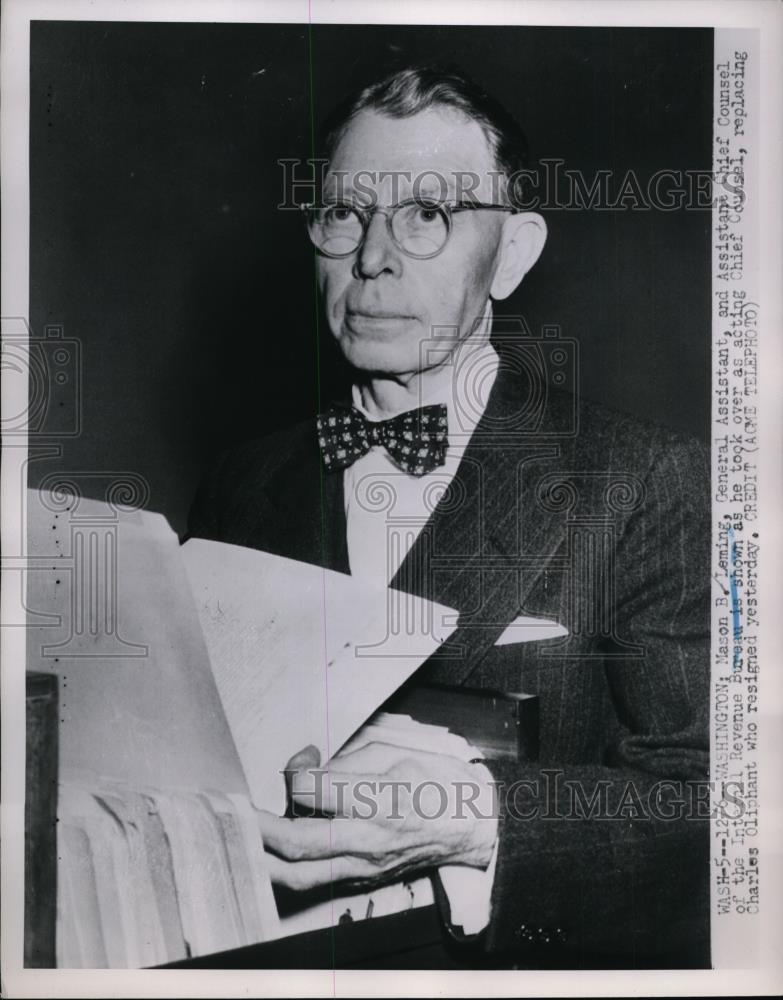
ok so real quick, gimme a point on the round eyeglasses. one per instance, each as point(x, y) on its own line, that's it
point(420, 228)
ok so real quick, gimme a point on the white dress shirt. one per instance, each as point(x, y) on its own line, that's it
point(385, 511)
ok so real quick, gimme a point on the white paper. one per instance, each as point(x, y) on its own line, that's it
point(527, 629)
point(111, 614)
point(301, 655)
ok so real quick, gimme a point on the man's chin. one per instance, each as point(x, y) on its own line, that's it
point(379, 357)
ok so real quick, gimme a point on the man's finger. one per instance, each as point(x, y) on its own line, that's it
point(308, 757)
point(300, 875)
point(374, 758)
point(313, 839)
point(296, 839)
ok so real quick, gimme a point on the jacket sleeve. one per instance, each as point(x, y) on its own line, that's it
point(612, 860)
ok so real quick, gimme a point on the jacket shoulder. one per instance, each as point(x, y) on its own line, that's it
point(263, 456)
point(601, 435)
point(242, 472)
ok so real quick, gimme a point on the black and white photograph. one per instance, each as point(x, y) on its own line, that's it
point(391, 425)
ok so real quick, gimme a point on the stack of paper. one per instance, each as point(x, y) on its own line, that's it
point(149, 877)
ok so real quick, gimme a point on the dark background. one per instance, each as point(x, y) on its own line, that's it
point(157, 244)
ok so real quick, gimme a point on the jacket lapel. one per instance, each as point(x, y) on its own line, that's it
point(489, 539)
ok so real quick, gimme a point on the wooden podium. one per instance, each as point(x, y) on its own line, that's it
point(40, 818)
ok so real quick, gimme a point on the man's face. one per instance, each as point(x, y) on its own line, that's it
point(381, 304)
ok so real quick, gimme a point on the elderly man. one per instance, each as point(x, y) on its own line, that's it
point(514, 498)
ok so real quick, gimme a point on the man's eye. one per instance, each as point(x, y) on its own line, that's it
point(339, 213)
point(427, 214)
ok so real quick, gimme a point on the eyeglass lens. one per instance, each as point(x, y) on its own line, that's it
point(420, 230)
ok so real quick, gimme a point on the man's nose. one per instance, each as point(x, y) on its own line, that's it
point(378, 252)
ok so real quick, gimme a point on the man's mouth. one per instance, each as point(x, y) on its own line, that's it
point(375, 321)
point(378, 314)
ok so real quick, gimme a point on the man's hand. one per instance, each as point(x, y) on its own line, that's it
point(395, 811)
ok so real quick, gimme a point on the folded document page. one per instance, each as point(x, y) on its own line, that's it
point(300, 655)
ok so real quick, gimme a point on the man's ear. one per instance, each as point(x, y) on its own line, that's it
point(521, 243)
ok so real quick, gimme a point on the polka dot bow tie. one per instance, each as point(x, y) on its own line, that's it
point(416, 441)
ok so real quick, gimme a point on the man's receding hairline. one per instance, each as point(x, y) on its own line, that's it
point(413, 90)
point(439, 107)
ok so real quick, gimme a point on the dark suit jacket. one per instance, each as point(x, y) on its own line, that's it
point(601, 521)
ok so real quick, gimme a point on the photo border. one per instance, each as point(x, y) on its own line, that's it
point(762, 15)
